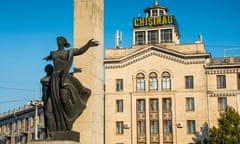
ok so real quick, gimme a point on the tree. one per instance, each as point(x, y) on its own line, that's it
point(228, 131)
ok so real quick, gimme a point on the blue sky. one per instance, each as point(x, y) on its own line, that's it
point(28, 31)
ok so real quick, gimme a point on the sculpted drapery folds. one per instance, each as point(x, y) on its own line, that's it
point(64, 96)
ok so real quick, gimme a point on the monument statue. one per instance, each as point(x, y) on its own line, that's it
point(63, 95)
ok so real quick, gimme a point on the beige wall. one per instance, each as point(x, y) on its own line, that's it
point(178, 94)
point(88, 24)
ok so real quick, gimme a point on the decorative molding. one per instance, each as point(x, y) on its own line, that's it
point(223, 71)
point(125, 61)
point(223, 93)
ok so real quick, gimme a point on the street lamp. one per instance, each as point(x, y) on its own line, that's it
point(35, 104)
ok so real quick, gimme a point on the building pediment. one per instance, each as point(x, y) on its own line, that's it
point(143, 53)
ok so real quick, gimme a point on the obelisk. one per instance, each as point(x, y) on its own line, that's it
point(88, 24)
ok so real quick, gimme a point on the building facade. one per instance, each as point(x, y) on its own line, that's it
point(18, 126)
point(162, 92)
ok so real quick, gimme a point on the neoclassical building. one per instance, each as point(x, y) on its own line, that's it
point(162, 92)
point(19, 126)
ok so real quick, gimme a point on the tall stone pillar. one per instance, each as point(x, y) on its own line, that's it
point(88, 24)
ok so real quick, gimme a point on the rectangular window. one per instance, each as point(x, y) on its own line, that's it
point(188, 82)
point(167, 126)
point(154, 12)
point(167, 105)
point(238, 80)
point(153, 84)
point(26, 124)
point(190, 104)
point(140, 84)
point(166, 35)
point(140, 105)
point(119, 127)
point(119, 84)
point(154, 127)
point(166, 84)
point(221, 81)
point(153, 105)
point(119, 105)
point(141, 127)
point(191, 126)
point(222, 103)
point(140, 38)
point(153, 36)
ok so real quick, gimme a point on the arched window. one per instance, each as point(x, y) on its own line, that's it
point(140, 82)
point(153, 81)
point(166, 81)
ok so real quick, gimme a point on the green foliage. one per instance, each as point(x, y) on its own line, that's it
point(228, 131)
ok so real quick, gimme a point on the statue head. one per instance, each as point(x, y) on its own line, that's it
point(62, 41)
point(49, 69)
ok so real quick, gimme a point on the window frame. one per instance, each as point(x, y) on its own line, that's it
point(119, 127)
point(191, 126)
point(153, 81)
point(153, 36)
point(154, 127)
point(189, 82)
point(166, 104)
point(238, 81)
point(141, 127)
point(222, 103)
point(166, 81)
point(140, 82)
point(141, 105)
point(167, 127)
point(140, 37)
point(166, 35)
point(221, 81)
point(153, 105)
point(190, 104)
point(155, 12)
point(119, 85)
point(120, 105)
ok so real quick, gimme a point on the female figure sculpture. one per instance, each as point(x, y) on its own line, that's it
point(67, 97)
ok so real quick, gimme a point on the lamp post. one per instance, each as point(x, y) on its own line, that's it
point(35, 104)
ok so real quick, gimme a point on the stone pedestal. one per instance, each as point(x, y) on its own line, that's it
point(60, 137)
point(54, 142)
point(65, 135)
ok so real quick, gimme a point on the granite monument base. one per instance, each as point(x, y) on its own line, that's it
point(61, 137)
point(65, 135)
point(53, 142)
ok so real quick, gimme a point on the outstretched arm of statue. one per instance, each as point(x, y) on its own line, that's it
point(90, 43)
point(47, 57)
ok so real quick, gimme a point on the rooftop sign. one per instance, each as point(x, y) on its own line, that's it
point(153, 21)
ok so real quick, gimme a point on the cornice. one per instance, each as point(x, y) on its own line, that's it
point(222, 70)
point(163, 53)
point(223, 93)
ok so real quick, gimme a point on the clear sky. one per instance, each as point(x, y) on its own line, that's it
point(28, 31)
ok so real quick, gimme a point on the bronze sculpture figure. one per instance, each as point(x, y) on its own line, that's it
point(64, 96)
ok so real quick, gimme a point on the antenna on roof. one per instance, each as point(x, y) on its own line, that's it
point(200, 37)
point(118, 37)
point(156, 3)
